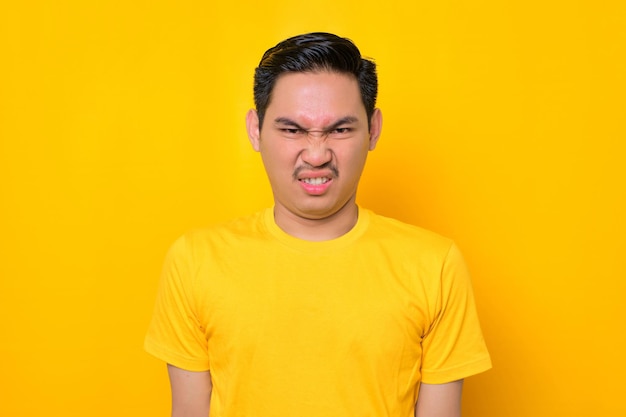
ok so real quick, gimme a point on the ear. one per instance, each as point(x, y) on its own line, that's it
point(252, 125)
point(376, 127)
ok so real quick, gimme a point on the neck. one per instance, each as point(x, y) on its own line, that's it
point(317, 229)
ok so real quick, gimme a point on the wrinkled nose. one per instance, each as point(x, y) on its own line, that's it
point(316, 153)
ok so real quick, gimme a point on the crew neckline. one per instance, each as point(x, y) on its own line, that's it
point(298, 244)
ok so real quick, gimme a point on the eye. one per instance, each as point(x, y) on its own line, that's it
point(292, 132)
point(341, 132)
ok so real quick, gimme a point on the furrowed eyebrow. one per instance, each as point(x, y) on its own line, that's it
point(287, 122)
point(344, 120)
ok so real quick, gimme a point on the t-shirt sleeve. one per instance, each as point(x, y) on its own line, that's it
point(454, 347)
point(175, 334)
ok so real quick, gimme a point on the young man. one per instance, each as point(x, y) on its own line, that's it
point(316, 307)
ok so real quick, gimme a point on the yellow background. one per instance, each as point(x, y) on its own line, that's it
point(122, 125)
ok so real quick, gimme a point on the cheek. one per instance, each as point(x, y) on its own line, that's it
point(352, 157)
point(279, 157)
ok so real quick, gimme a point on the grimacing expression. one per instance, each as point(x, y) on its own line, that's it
point(314, 141)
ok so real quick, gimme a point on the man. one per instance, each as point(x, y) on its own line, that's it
point(316, 307)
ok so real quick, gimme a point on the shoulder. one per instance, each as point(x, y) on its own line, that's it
point(220, 236)
point(407, 237)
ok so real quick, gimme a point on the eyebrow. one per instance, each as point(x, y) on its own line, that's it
point(344, 120)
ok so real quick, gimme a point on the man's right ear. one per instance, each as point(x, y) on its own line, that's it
point(252, 125)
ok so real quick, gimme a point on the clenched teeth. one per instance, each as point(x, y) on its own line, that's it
point(315, 181)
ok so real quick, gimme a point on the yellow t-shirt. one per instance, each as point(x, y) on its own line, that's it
point(346, 327)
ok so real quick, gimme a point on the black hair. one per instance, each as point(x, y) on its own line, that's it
point(312, 52)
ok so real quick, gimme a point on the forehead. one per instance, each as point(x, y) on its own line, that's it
point(316, 97)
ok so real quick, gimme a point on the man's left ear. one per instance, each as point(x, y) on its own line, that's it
point(376, 127)
point(252, 126)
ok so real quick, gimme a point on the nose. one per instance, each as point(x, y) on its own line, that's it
point(316, 153)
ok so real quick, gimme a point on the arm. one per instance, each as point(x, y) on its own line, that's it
point(191, 392)
point(439, 400)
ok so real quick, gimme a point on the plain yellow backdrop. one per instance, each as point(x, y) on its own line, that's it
point(122, 126)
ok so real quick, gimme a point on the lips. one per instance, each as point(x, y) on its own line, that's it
point(315, 181)
point(315, 185)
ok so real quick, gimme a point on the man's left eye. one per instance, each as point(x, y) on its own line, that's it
point(341, 132)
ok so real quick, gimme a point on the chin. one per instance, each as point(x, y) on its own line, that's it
point(320, 211)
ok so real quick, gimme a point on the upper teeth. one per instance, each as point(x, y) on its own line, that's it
point(315, 181)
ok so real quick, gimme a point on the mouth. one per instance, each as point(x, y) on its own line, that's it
point(315, 181)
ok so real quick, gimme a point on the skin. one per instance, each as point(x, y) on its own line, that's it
point(315, 127)
point(328, 106)
point(439, 400)
point(191, 392)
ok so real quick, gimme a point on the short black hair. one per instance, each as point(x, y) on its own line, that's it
point(313, 52)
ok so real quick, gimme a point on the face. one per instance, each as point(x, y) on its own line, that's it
point(314, 143)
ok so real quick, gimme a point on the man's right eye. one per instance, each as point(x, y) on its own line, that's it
point(292, 131)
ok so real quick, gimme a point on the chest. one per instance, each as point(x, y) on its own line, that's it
point(306, 307)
